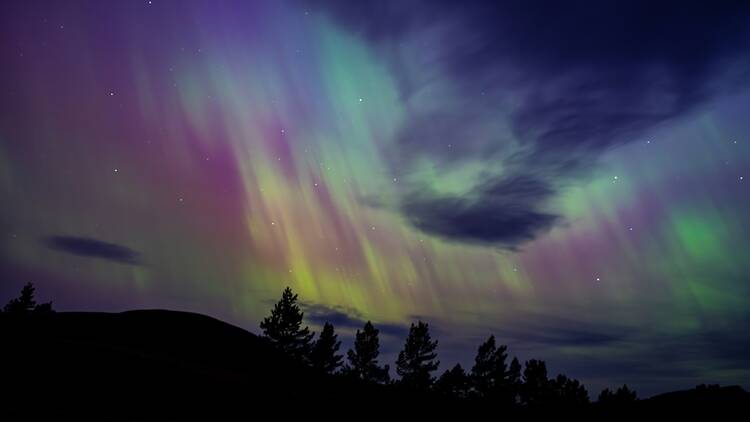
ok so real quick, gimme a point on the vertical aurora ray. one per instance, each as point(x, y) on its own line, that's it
point(240, 149)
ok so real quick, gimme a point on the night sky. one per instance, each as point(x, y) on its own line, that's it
point(569, 176)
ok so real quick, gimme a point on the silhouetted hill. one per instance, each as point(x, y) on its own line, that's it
point(132, 363)
point(155, 364)
point(703, 397)
point(714, 402)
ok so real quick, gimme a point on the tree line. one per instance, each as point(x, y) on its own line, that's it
point(25, 304)
point(491, 377)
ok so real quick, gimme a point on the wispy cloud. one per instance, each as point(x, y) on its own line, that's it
point(534, 93)
point(93, 248)
point(348, 318)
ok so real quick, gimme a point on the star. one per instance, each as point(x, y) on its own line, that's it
point(361, 99)
point(598, 279)
point(111, 93)
point(116, 170)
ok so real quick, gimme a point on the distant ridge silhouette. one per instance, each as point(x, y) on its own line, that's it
point(160, 364)
point(151, 363)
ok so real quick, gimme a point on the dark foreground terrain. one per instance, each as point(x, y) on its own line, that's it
point(155, 364)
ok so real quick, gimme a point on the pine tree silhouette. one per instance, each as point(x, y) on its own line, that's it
point(622, 397)
point(323, 355)
point(569, 392)
point(25, 303)
point(454, 383)
point(537, 389)
point(490, 375)
point(284, 327)
point(513, 384)
point(416, 361)
point(625, 394)
point(363, 359)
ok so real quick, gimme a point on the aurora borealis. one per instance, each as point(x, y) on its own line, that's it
point(570, 177)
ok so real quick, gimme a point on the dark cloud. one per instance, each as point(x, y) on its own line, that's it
point(658, 361)
point(502, 212)
point(568, 80)
point(565, 336)
point(540, 330)
point(92, 248)
point(655, 360)
point(342, 317)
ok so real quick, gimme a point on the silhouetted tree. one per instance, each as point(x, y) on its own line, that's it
point(417, 360)
point(536, 389)
point(284, 327)
point(490, 375)
point(323, 355)
point(363, 359)
point(623, 396)
point(489, 366)
point(514, 381)
point(454, 382)
point(569, 392)
point(26, 304)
